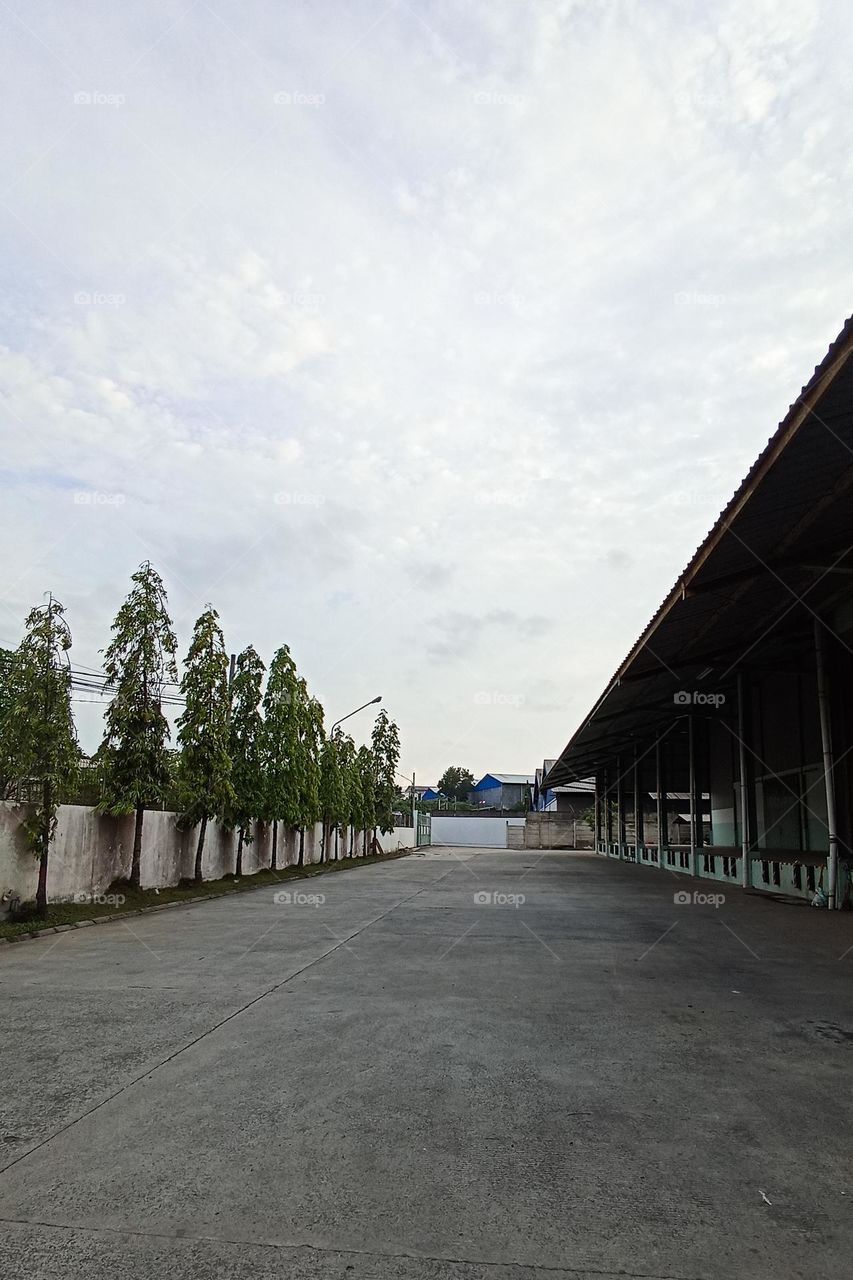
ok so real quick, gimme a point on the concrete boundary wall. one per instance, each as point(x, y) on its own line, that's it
point(550, 829)
point(91, 850)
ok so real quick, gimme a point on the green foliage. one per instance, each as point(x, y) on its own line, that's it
point(37, 738)
point(138, 662)
point(311, 738)
point(456, 782)
point(349, 778)
point(246, 741)
point(365, 816)
point(281, 742)
point(386, 757)
point(333, 797)
point(7, 778)
point(204, 772)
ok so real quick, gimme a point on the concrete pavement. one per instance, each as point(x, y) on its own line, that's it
point(422, 1076)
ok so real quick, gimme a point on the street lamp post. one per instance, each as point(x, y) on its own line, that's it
point(352, 713)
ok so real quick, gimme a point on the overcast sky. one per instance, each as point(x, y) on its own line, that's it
point(429, 338)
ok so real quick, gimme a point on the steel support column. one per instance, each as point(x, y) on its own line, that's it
point(620, 809)
point(828, 764)
point(691, 747)
point(745, 870)
point(661, 811)
point(597, 826)
point(639, 830)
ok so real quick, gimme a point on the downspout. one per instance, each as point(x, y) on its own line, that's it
point(745, 868)
point(828, 763)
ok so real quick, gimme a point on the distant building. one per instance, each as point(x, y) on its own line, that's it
point(502, 790)
point(430, 793)
point(576, 799)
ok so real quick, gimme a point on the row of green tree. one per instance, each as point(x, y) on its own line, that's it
point(246, 753)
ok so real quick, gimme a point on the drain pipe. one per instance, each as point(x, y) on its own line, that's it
point(828, 763)
point(745, 870)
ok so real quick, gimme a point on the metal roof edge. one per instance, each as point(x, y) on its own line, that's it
point(824, 374)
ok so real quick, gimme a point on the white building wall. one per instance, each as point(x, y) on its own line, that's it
point(448, 828)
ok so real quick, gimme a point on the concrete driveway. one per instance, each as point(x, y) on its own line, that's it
point(423, 1077)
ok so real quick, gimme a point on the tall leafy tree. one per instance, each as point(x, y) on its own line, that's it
point(332, 793)
point(386, 757)
point(37, 738)
point(352, 791)
point(366, 817)
point(456, 782)
point(281, 746)
point(204, 775)
point(8, 781)
point(138, 662)
point(246, 747)
point(310, 744)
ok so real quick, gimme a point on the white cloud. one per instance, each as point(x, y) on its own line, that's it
point(486, 336)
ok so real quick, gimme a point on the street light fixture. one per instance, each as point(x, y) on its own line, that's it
point(352, 713)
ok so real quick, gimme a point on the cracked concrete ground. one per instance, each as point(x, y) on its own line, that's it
point(404, 1081)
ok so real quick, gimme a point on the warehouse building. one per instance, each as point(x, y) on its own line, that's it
point(502, 791)
point(723, 746)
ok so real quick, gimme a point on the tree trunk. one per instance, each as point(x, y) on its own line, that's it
point(136, 856)
point(352, 842)
point(238, 866)
point(200, 849)
point(274, 858)
point(301, 861)
point(323, 842)
point(337, 841)
point(41, 892)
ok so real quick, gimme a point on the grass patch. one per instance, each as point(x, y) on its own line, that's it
point(136, 900)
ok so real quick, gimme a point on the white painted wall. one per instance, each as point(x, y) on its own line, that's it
point(91, 850)
point(447, 828)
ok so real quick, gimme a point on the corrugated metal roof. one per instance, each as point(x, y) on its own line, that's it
point(792, 507)
point(509, 778)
